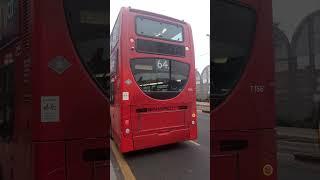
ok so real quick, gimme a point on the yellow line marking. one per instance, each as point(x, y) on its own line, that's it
point(195, 143)
point(124, 167)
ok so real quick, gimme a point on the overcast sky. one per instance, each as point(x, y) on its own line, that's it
point(290, 18)
point(196, 13)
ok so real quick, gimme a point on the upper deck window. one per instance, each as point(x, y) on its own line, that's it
point(160, 30)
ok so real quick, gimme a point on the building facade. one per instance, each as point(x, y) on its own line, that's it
point(203, 84)
point(297, 55)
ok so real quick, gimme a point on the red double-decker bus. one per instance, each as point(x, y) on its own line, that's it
point(243, 107)
point(152, 69)
point(53, 89)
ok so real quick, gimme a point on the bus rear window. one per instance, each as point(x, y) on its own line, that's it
point(158, 29)
point(160, 78)
point(89, 24)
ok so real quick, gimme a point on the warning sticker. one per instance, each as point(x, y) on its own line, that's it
point(50, 108)
point(125, 96)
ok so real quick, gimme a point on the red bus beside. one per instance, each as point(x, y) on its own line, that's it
point(243, 106)
point(53, 91)
point(152, 69)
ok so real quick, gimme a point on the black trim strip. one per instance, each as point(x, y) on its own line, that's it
point(100, 154)
point(153, 47)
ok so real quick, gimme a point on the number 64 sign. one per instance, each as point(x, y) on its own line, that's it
point(162, 64)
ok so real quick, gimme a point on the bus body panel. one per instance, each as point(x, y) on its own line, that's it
point(68, 147)
point(258, 73)
point(49, 161)
point(220, 162)
point(72, 110)
point(152, 122)
point(242, 125)
point(86, 159)
point(244, 152)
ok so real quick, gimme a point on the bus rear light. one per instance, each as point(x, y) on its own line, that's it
point(193, 115)
point(131, 40)
point(126, 122)
point(132, 48)
point(187, 48)
point(127, 131)
point(193, 122)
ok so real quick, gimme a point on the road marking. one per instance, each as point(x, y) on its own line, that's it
point(195, 143)
point(124, 167)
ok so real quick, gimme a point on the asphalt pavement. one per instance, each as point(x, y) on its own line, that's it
point(293, 141)
point(190, 160)
point(291, 169)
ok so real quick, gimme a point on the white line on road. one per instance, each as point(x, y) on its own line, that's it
point(195, 143)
